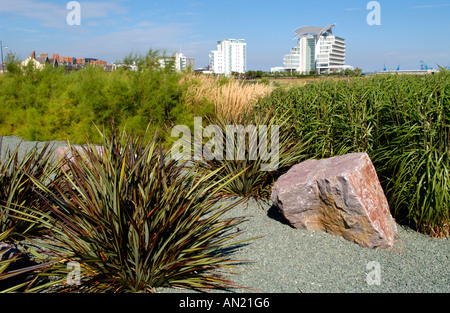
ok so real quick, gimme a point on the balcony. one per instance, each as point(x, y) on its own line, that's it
point(338, 48)
point(337, 43)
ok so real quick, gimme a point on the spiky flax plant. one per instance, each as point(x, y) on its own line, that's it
point(135, 220)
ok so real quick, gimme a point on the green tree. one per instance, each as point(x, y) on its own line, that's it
point(152, 59)
point(13, 63)
point(136, 59)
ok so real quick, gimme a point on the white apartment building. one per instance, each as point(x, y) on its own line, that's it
point(317, 50)
point(230, 56)
point(179, 61)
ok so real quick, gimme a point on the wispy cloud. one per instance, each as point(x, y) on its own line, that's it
point(33, 9)
point(428, 6)
point(49, 14)
point(352, 9)
point(101, 9)
point(391, 53)
point(116, 44)
point(25, 30)
point(145, 24)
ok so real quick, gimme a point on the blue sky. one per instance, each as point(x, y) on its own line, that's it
point(410, 31)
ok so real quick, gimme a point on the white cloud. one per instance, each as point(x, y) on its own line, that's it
point(54, 15)
point(390, 53)
point(145, 24)
point(25, 30)
point(107, 31)
point(353, 9)
point(431, 6)
point(115, 45)
point(101, 9)
point(32, 9)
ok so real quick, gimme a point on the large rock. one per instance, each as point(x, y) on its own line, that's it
point(341, 196)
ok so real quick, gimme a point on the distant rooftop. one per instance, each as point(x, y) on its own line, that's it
point(309, 30)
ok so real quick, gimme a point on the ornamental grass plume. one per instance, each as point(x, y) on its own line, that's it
point(231, 98)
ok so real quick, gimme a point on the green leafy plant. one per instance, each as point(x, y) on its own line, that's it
point(22, 214)
point(13, 266)
point(5, 263)
point(255, 170)
point(17, 189)
point(135, 220)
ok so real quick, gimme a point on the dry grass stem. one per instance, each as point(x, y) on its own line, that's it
point(230, 97)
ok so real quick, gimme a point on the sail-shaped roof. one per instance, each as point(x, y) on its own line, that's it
point(309, 30)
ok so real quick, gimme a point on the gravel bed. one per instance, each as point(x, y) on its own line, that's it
point(287, 260)
point(11, 143)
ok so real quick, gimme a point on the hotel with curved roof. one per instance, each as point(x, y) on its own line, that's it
point(317, 50)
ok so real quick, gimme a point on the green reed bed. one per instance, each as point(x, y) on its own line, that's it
point(403, 122)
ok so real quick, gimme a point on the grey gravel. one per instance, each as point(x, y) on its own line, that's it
point(287, 260)
point(10, 143)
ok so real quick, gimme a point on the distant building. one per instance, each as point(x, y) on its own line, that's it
point(204, 70)
point(168, 62)
point(63, 60)
point(38, 63)
point(118, 64)
point(100, 63)
point(178, 61)
point(81, 61)
point(190, 63)
point(69, 63)
point(230, 56)
point(43, 59)
point(89, 60)
point(317, 50)
point(293, 61)
point(182, 63)
point(277, 69)
point(411, 72)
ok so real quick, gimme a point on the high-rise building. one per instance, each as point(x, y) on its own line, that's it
point(230, 56)
point(317, 50)
point(178, 61)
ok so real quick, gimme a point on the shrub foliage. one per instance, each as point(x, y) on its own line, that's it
point(53, 104)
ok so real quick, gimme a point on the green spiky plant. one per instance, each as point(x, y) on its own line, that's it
point(9, 274)
point(16, 188)
point(255, 169)
point(135, 220)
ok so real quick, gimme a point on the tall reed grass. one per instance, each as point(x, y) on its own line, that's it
point(403, 122)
